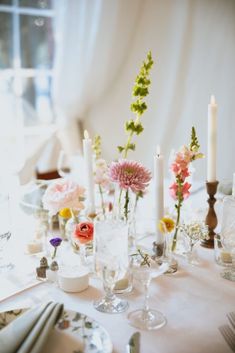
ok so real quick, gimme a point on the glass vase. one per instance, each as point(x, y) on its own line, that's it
point(85, 250)
point(62, 227)
point(124, 210)
point(69, 228)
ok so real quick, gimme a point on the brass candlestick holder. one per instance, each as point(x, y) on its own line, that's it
point(211, 218)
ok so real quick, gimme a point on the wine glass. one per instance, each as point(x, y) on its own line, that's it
point(144, 269)
point(228, 235)
point(111, 261)
point(5, 231)
point(71, 166)
point(63, 165)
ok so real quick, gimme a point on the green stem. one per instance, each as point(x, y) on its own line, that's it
point(54, 252)
point(127, 144)
point(126, 204)
point(176, 226)
point(102, 200)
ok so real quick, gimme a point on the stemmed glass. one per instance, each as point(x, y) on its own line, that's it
point(144, 269)
point(111, 261)
point(228, 235)
point(62, 161)
point(5, 231)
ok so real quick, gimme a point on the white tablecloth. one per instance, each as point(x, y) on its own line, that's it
point(195, 301)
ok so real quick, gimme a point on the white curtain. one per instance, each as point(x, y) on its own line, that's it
point(94, 39)
point(100, 47)
point(193, 46)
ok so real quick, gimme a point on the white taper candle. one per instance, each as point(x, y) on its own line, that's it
point(159, 191)
point(212, 143)
point(87, 150)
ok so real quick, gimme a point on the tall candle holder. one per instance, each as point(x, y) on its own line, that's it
point(211, 218)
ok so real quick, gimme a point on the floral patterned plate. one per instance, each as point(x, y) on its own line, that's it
point(74, 333)
point(8, 316)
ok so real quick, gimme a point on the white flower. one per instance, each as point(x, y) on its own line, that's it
point(101, 176)
point(195, 230)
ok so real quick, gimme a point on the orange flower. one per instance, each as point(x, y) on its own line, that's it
point(83, 232)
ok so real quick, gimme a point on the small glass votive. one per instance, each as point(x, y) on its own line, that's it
point(222, 255)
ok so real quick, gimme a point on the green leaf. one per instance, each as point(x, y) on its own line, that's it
point(131, 146)
point(139, 128)
point(140, 91)
point(138, 107)
point(120, 149)
point(130, 125)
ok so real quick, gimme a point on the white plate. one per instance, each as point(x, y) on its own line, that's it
point(74, 333)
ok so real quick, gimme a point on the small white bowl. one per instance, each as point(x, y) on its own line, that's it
point(73, 282)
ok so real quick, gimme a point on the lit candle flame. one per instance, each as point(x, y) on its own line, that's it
point(213, 99)
point(86, 135)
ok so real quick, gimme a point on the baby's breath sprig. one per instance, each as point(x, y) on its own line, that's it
point(97, 146)
point(139, 106)
point(146, 258)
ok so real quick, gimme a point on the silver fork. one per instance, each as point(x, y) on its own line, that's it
point(231, 317)
point(228, 335)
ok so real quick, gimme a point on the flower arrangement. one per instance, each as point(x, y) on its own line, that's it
point(55, 242)
point(129, 174)
point(180, 189)
point(63, 193)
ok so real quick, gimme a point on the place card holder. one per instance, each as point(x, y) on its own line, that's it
point(211, 218)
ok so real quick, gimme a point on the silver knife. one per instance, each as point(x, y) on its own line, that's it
point(133, 345)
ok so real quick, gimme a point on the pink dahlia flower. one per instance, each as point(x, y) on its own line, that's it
point(63, 193)
point(130, 174)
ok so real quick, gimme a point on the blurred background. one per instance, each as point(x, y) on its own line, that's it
point(70, 65)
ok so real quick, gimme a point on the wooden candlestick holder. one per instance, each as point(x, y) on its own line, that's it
point(211, 218)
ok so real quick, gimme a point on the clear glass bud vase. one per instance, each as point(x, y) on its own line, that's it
point(124, 210)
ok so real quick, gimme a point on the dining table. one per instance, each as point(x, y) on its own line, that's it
point(195, 300)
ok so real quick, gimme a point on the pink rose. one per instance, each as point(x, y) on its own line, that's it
point(83, 232)
point(63, 193)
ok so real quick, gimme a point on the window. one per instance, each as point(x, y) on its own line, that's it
point(26, 60)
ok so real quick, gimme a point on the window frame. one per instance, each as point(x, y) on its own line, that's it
point(17, 71)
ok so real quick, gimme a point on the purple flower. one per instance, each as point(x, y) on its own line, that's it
point(55, 242)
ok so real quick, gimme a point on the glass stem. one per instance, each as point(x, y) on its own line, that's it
point(146, 300)
point(109, 295)
point(102, 200)
point(83, 253)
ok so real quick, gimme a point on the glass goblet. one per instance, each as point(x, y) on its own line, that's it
point(5, 231)
point(146, 318)
point(111, 261)
point(228, 232)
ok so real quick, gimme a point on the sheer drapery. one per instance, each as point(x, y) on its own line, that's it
point(94, 39)
point(100, 47)
point(194, 50)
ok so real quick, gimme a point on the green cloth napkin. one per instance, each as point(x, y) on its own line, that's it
point(29, 332)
